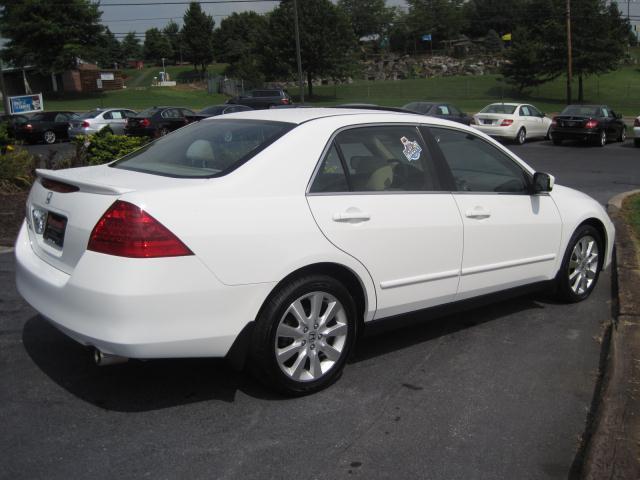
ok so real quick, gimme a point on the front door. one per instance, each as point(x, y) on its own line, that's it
point(511, 237)
point(377, 197)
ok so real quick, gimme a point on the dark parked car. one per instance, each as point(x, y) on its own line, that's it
point(158, 121)
point(47, 127)
point(440, 110)
point(11, 121)
point(262, 99)
point(588, 123)
point(215, 110)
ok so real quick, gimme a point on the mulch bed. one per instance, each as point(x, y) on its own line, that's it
point(12, 208)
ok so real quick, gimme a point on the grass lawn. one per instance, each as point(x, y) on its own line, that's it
point(631, 211)
point(619, 89)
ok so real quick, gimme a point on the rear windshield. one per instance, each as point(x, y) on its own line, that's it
point(92, 114)
point(499, 108)
point(147, 113)
point(581, 110)
point(210, 148)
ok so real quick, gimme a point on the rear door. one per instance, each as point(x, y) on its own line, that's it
point(511, 237)
point(378, 196)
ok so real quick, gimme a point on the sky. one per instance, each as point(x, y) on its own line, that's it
point(139, 18)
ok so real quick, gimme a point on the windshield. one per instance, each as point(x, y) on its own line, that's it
point(92, 114)
point(204, 149)
point(499, 108)
point(581, 110)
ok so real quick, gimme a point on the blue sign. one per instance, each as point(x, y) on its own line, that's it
point(426, 38)
point(26, 103)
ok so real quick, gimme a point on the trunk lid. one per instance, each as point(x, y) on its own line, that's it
point(494, 119)
point(67, 217)
point(571, 121)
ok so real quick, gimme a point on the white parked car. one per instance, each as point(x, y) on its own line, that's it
point(512, 121)
point(636, 132)
point(279, 234)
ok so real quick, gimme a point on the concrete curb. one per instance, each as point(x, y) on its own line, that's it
point(614, 448)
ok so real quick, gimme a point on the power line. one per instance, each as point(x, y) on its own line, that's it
point(205, 2)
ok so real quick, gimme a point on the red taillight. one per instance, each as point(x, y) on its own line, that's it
point(85, 124)
point(554, 121)
point(636, 122)
point(506, 122)
point(145, 122)
point(126, 230)
point(284, 101)
point(591, 124)
point(28, 126)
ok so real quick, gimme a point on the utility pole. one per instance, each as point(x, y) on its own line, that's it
point(5, 97)
point(298, 56)
point(569, 60)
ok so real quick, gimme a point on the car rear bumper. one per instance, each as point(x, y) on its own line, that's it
point(574, 134)
point(139, 308)
point(509, 132)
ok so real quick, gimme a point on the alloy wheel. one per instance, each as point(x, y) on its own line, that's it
point(311, 336)
point(603, 138)
point(49, 137)
point(583, 265)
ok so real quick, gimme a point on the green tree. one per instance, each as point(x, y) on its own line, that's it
point(156, 46)
point(197, 36)
point(367, 16)
point(49, 35)
point(493, 42)
point(443, 19)
point(131, 48)
point(109, 50)
point(600, 36)
point(240, 42)
point(524, 61)
point(327, 41)
point(172, 32)
point(484, 15)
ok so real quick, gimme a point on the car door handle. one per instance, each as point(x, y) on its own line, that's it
point(349, 216)
point(478, 212)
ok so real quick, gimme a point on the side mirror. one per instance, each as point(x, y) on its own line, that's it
point(542, 182)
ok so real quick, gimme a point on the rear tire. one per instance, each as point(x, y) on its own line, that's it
point(581, 265)
point(623, 135)
point(49, 137)
point(163, 131)
point(601, 141)
point(521, 137)
point(303, 335)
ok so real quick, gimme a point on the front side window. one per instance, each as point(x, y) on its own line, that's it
point(478, 166)
point(204, 149)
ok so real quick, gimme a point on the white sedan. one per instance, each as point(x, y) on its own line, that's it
point(277, 235)
point(512, 121)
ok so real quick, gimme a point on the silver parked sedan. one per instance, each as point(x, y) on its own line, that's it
point(96, 120)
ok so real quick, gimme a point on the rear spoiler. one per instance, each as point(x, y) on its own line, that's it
point(83, 185)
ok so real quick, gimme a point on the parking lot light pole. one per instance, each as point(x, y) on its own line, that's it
point(569, 60)
point(298, 56)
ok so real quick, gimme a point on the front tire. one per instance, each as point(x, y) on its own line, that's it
point(303, 335)
point(581, 265)
point(623, 135)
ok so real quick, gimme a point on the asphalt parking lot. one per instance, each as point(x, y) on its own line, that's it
point(494, 393)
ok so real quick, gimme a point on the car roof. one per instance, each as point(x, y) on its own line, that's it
point(303, 115)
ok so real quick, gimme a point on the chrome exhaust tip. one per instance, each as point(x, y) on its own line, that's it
point(104, 359)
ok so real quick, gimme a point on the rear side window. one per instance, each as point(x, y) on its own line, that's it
point(380, 158)
point(204, 149)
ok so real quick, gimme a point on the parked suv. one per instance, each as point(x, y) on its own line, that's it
point(158, 121)
point(97, 120)
point(262, 99)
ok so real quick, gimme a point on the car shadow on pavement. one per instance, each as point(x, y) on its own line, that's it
point(138, 386)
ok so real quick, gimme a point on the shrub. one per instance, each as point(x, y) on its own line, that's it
point(16, 170)
point(105, 147)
